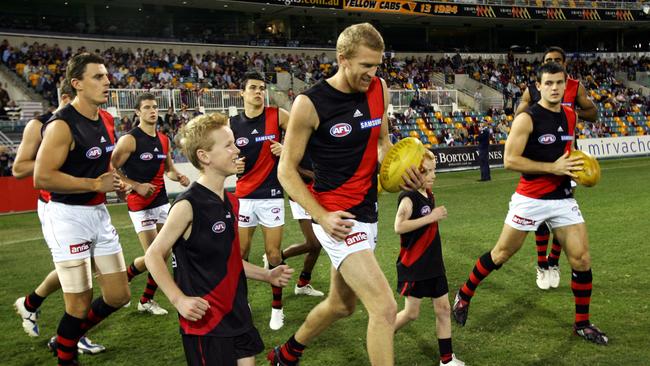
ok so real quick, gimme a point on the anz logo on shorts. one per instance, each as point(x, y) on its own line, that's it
point(355, 238)
point(219, 227)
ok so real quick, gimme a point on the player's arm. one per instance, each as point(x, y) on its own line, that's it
point(403, 223)
point(303, 121)
point(173, 174)
point(179, 223)
point(278, 276)
point(524, 102)
point(413, 179)
point(587, 110)
point(384, 144)
point(513, 158)
point(57, 142)
point(26, 155)
point(276, 146)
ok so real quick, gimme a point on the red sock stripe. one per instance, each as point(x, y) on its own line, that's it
point(580, 286)
point(445, 358)
point(63, 355)
point(28, 305)
point(93, 318)
point(482, 269)
point(583, 300)
point(286, 355)
point(541, 259)
point(66, 341)
point(466, 290)
point(474, 279)
point(542, 237)
point(149, 291)
point(303, 282)
point(582, 318)
point(151, 282)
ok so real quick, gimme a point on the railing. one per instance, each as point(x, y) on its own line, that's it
point(218, 100)
point(401, 99)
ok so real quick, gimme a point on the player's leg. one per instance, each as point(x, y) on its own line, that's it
point(362, 273)
point(576, 247)
point(410, 312)
point(554, 263)
point(247, 222)
point(304, 287)
point(27, 307)
point(542, 235)
point(510, 241)
point(442, 310)
point(339, 303)
point(272, 243)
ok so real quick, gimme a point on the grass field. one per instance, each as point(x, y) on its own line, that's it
point(511, 321)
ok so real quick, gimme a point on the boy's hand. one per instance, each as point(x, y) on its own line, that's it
point(438, 213)
point(280, 275)
point(192, 308)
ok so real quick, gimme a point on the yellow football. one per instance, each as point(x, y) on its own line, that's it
point(407, 152)
point(590, 173)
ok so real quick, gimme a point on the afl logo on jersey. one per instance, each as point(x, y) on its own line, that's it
point(340, 130)
point(546, 139)
point(275, 210)
point(219, 227)
point(425, 210)
point(146, 156)
point(242, 141)
point(94, 153)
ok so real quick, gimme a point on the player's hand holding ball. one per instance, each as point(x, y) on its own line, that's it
point(589, 175)
point(400, 168)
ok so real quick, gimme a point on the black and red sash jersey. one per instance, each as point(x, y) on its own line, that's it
point(570, 93)
point(147, 165)
point(209, 265)
point(552, 136)
point(253, 136)
point(94, 142)
point(44, 195)
point(343, 148)
point(420, 255)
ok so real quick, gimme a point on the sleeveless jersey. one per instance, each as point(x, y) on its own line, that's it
point(94, 142)
point(44, 195)
point(147, 165)
point(209, 265)
point(420, 256)
point(343, 148)
point(253, 136)
point(570, 93)
point(552, 136)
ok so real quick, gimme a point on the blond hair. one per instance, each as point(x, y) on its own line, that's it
point(428, 156)
point(195, 135)
point(363, 34)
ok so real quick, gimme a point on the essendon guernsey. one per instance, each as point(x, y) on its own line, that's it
point(147, 165)
point(343, 148)
point(94, 142)
point(44, 195)
point(570, 93)
point(552, 136)
point(420, 255)
point(208, 264)
point(253, 137)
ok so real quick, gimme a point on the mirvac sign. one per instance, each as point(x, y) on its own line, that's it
point(465, 157)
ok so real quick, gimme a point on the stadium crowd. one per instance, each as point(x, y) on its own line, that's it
point(42, 67)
